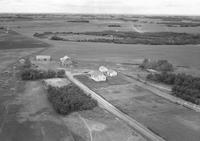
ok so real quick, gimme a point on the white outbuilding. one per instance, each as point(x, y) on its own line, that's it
point(103, 69)
point(22, 61)
point(65, 61)
point(97, 76)
point(111, 73)
point(43, 58)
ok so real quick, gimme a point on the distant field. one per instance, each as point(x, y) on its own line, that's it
point(13, 40)
point(10, 56)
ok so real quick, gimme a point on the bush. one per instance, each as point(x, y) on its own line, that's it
point(35, 74)
point(56, 38)
point(184, 86)
point(61, 73)
point(69, 99)
point(160, 65)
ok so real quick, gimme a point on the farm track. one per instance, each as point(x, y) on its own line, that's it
point(109, 107)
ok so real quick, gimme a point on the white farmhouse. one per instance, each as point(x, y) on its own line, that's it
point(111, 73)
point(43, 58)
point(65, 61)
point(97, 76)
point(22, 61)
point(103, 69)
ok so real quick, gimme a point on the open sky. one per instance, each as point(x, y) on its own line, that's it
point(169, 7)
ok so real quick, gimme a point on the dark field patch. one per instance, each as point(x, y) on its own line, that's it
point(117, 80)
point(13, 40)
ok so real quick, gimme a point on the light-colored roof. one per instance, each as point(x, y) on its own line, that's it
point(96, 73)
point(65, 57)
point(103, 69)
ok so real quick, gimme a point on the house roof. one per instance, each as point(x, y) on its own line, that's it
point(96, 73)
point(103, 68)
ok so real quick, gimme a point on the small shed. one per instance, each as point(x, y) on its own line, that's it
point(97, 76)
point(65, 61)
point(103, 69)
point(22, 61)
point(111, 73)
point(43, 58)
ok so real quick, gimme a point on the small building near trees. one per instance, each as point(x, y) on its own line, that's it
point(43, 58)
point(65, 61)
point(103, 69)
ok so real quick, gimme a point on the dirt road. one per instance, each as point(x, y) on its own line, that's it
point(109, 107)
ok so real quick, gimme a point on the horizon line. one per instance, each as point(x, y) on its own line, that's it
point(74, 13)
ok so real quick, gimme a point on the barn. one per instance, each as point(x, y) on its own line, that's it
point(103, 69)
point(43, 58)
point(111, 73)
point(65, 61)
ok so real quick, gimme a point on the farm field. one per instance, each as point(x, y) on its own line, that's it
point(118, 80)
point(184, 55)
point(13, 40)
point(159, 115)
point(27, 115)
point(10, 56)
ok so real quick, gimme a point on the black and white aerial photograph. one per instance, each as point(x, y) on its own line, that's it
point(99, 70)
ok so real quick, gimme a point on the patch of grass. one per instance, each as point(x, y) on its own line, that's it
point(13, 40)
point(117, 80)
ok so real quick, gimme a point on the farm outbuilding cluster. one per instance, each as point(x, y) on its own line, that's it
point(102, 74)
point(97, 76)
point(107, 72)
point(65, 61)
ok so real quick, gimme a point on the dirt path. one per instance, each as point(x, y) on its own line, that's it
point(103, 103)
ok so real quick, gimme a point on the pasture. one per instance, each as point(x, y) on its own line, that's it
point(28, 115)
point(117, 80)
point(159, 115)
point(13, 40)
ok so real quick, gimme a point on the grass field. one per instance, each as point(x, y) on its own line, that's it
point(27, 115)
point(161, 116)
point(34, 117)
point(13, 40)
point(117, 80)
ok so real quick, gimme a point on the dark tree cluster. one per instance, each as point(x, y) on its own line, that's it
point(29, 72)
point(160, 65)
point(57, 38)
point(185, 86)
point(35, 74)
point(69, 99)
point(150, 38)
point(166, 78)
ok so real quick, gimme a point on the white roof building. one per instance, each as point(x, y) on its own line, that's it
point(97, 76)
point(22, 61)
point(43, 58)
point(103, 69)
point(111, 73)
point(65, 61)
